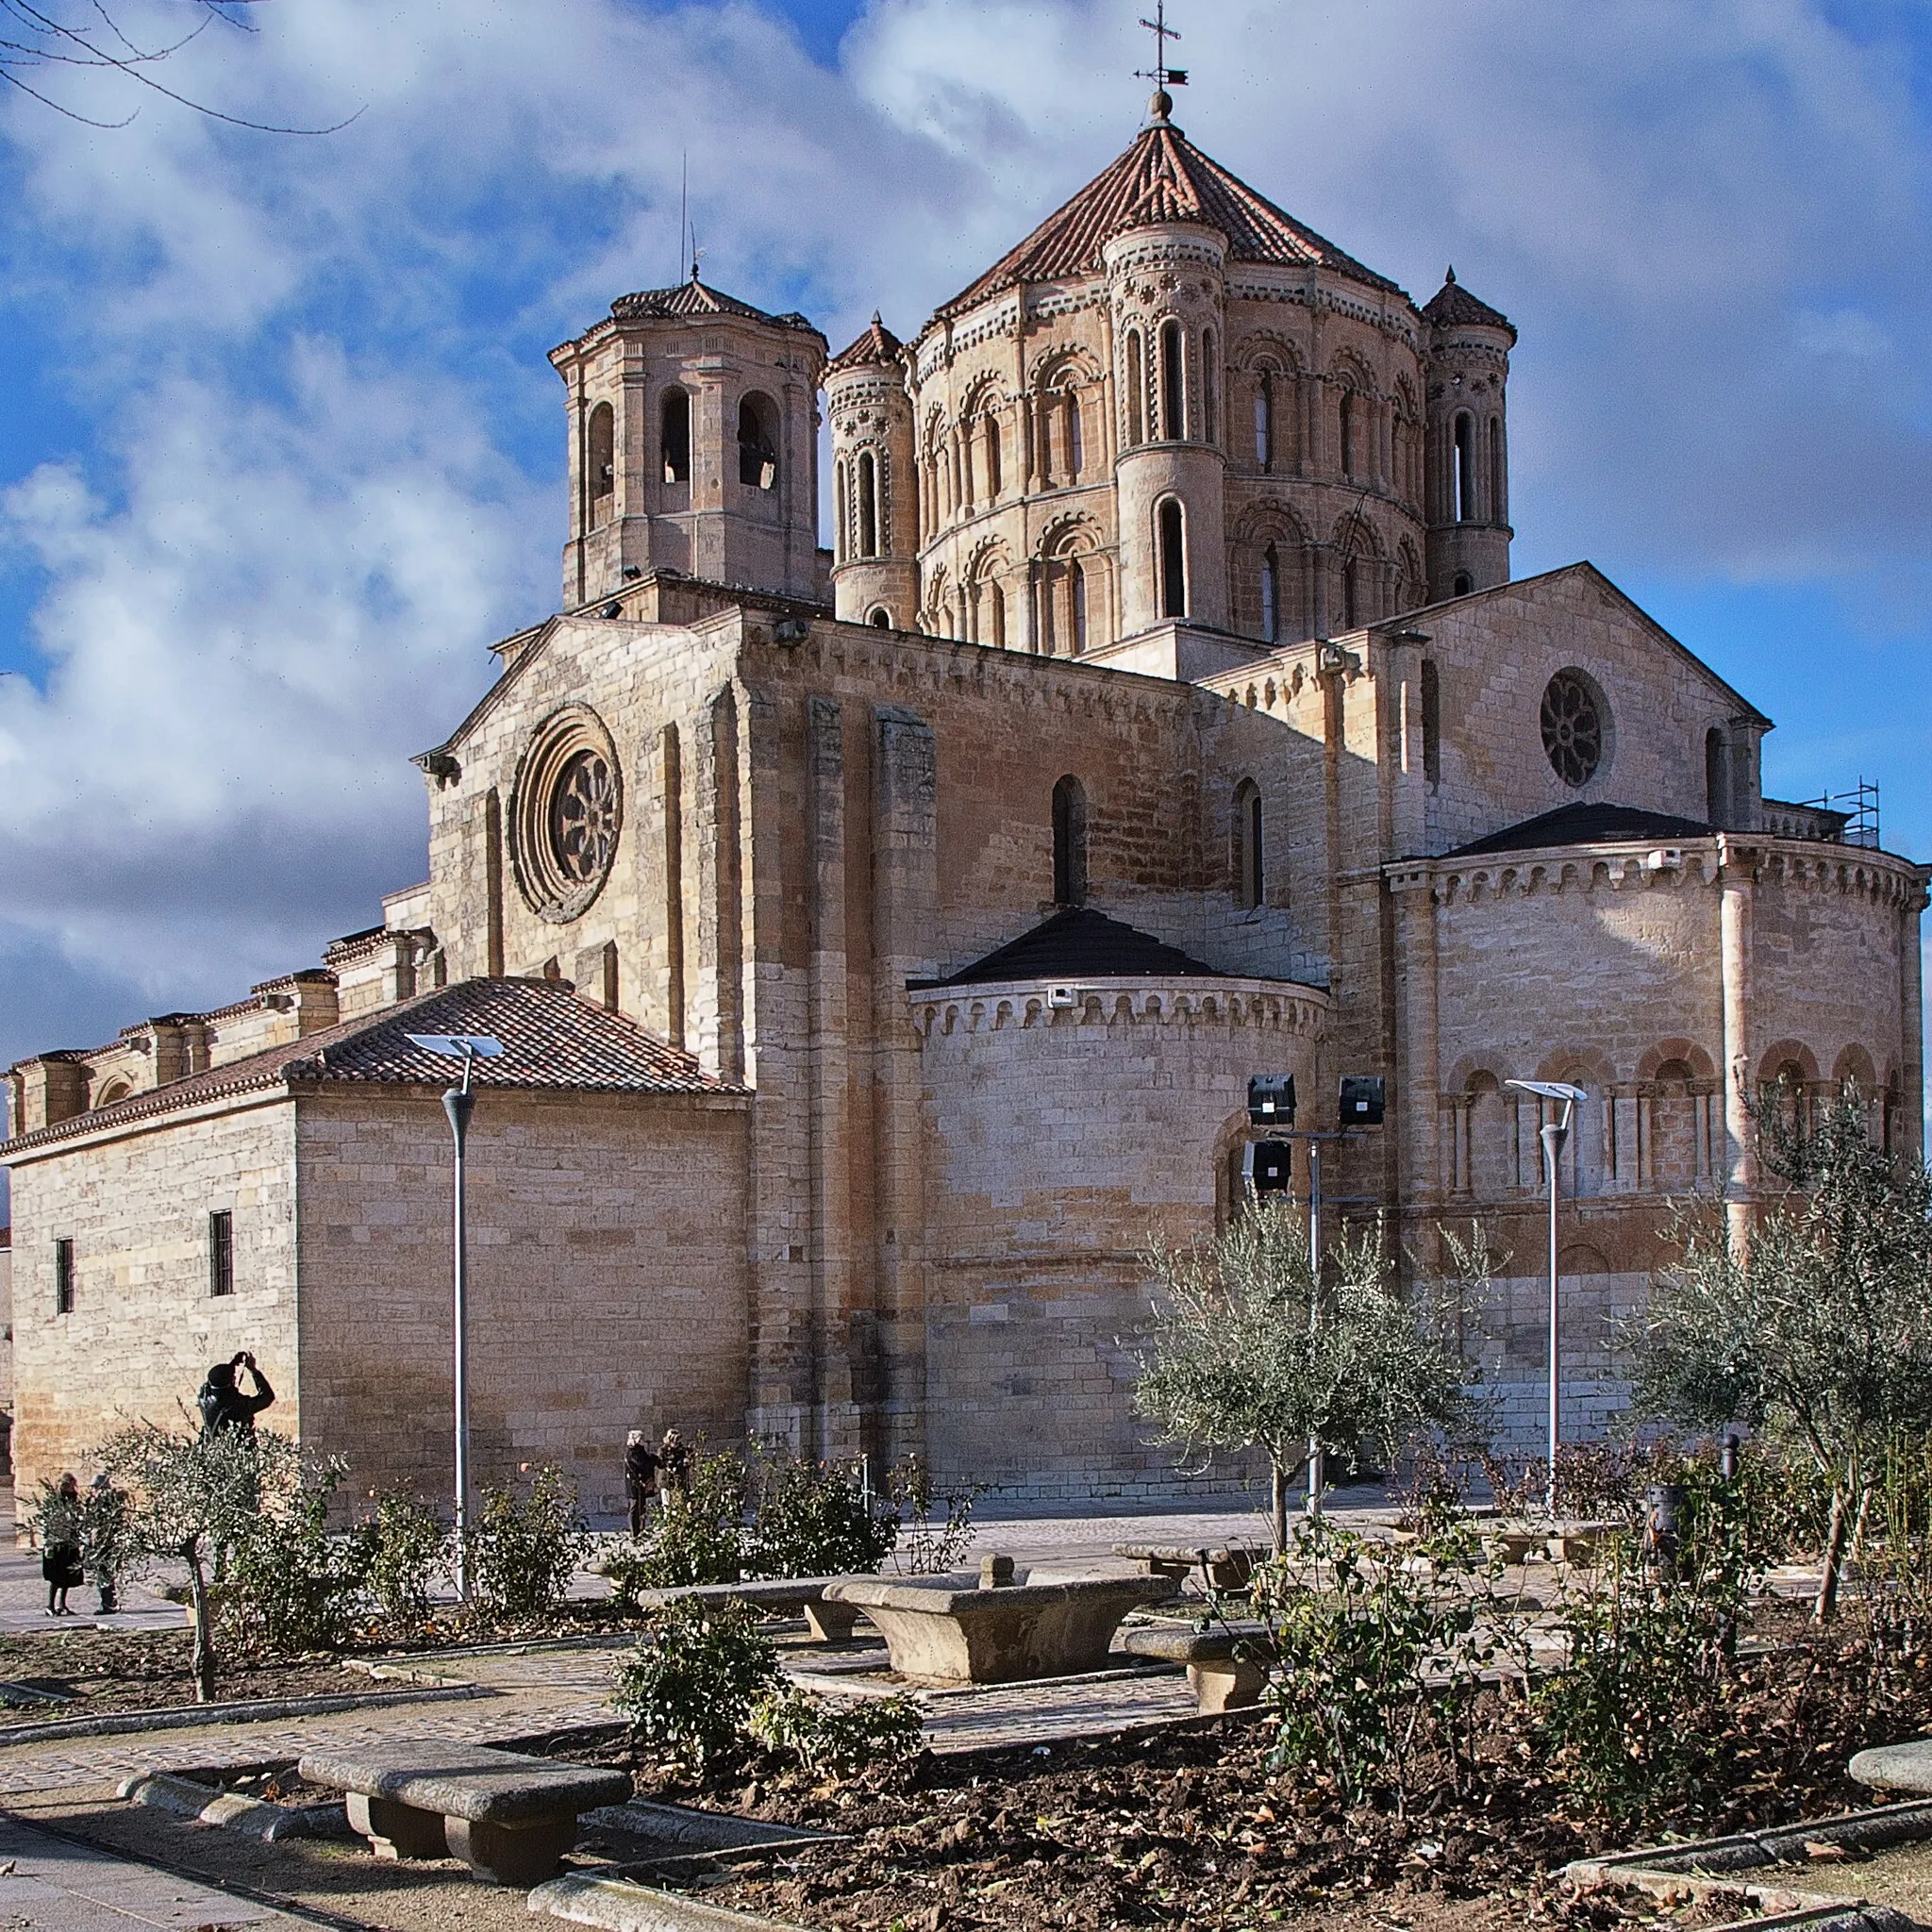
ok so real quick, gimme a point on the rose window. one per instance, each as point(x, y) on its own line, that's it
point(583, 817)
point(566, 814)
point(1572, 728)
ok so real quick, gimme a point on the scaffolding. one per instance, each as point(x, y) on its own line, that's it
point(1859, 809)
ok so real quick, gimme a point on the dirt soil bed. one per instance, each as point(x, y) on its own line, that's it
point(1194, 1827)
point(98, 1671)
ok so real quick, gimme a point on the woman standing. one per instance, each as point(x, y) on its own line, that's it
point(60, 1543)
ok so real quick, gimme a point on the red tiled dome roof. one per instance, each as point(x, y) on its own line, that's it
point(877, 348)
point(1451, 303)
point(1162, 177)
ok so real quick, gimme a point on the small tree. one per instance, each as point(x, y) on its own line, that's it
point(1246, 1350)
point(191, 1496)
point(1821, 1330)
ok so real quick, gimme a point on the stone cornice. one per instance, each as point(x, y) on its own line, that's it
point(1270, 1004)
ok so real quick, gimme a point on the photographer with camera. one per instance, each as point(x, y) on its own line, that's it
point(222, 1404)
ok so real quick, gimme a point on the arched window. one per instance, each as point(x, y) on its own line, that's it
point(1271, 593)
point(868, 504)
point(1499, 487)
point(1076, 598)
point(1351, 593)
point(1070, 843)
point(1210, 389)
point(1174, 560)
point(1264, 423)
point(1716, 791)
point(1349, 414)
point(1432, 723)
point(1463, 584)
point(994, 458)
point(881, 619)
point(996, 615)
point(1136, 385)
point(673, 436)
point(600, 463)
point(757, 443)
point(1173, 383)
point(1398, 452)
point(1465, 470)
point(1076, 452)
point(1248, 877)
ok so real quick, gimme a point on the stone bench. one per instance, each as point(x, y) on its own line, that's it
point(782, 1596)
point(940, 1633)
point(510, 1816)
point(1227, 1569)
point(1227, 1667)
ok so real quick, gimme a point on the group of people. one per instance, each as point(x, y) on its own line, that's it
point(664, 1472)
point(79, 1533)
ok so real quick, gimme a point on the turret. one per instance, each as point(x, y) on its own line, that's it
point(875, 483)
point(693, 445)
point(1168, 292)
point(1467, 443)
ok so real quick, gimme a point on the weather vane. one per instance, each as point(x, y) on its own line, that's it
point(1163, 77)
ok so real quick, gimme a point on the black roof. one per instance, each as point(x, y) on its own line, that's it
point(1077, 942)
point(1586, 825)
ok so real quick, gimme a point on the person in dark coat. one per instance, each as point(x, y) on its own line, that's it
point(674, 1473)
point(222, 1403)
point(640, 1477)
point(60, 1558)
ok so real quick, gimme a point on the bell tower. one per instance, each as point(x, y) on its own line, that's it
point(1467, 442)
point(875, 483)
point(693, 445)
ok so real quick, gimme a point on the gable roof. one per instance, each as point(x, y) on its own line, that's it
point(694, 300)
point(1586, 825)
point(1451, 303)
point(1162, 177)
point(553, 1040)
point(1079, 942)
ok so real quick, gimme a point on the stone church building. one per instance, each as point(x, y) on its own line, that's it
point(882, 937)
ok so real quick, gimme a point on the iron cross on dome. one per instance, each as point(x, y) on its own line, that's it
point(1163, 77)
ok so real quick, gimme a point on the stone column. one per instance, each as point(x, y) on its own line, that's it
point(1736, 886)
point(905, 889)
point(670, 779)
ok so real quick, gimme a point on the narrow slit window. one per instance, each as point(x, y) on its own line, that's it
point(1432, 722)
point(1465, 470)
point(1173, 380)
point(868, 504)
point(221, 1252)
point(1075, 454)
point(1137, 379)
point(1070, 843)
point(63, 1277)
point(1076, 590)
point(1271, 593)
point(1248, 876)
point(1349, 414)
point(995, 461)
point(1174, 560)
point(1264, 424)
point(996, 609)
point(673, 436)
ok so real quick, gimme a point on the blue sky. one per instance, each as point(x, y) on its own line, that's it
point(280, 452)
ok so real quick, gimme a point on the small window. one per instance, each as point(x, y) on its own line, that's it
point(1210, 389)
point(757, 443)
point(63, 1277)
point(1076, 589)
point(673, 436)
point(1349, 414)
point(1137, 381)
point(1076, 454)
point(1070, 843)
point(1351, 593)
point(1463, 583)
point(1465, 470)
point(1271, 593)
point(881, 619)
point(1432, 723)
point(600, 462)
point(994, 459)
point(1174, 560)
point(1173, 383)
point(1264, 423)
point(1248, 876)
point(221, 1252)
point(868, 504)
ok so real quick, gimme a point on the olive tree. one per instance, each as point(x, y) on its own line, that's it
point(1818, 1329)
point(192, 1498)
point(1244, 1349)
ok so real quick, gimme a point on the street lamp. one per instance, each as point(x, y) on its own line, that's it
point(458, 1103)
point(1554, 1134)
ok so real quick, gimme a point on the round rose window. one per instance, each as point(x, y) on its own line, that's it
point(566, 813)
point(1572, 727)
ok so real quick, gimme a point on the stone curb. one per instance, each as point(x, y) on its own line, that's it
point(235, 1810)
point(1716, 1864)
point(621, 1905)
point(183, 1717)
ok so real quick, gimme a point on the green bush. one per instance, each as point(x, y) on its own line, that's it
point(401, 1550)
point(837, 1734)
point(293, 1586)
point(813, 1519)
point(691, 1685)
point(699, 1538)
point(523, 1549)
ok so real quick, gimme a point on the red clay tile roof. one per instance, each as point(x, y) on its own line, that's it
point(552, 1039)
point(1162, 177)
point(694, 299)
point(878, 347)
point(1451, 303)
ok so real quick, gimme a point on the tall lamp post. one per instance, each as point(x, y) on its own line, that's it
point(1554, 1134)
point(458, 1103)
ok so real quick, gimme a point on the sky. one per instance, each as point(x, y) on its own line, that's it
point(280, 453)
